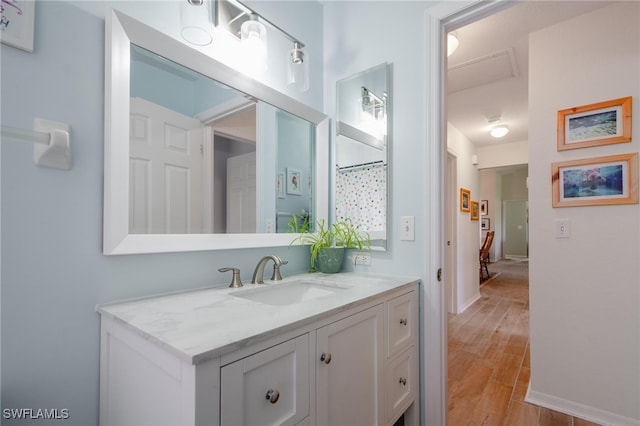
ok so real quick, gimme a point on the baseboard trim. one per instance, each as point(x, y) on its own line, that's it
point(578, 410)
point(470, 302)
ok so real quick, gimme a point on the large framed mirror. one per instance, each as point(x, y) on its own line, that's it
point(361, 152)
point(199, 156)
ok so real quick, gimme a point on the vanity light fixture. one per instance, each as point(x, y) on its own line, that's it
point(242, 22)
point(253, 39)
point(373, 112)
point(298, 68)
point(195, 22)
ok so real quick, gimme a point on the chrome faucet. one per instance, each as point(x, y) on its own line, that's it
point(258, 274)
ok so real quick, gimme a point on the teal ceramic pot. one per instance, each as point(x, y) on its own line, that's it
point(329, 260)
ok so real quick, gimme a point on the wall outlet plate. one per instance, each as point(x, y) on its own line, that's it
point(361, 258)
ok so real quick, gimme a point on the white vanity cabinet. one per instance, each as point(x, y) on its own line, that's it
point(349, 363)
point(354, 363)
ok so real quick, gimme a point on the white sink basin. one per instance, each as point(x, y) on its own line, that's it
point(289, 293)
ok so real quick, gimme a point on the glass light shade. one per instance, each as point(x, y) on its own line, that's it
point(298, 69)
point(195, 22)
point(253, 38)
point(499, 131)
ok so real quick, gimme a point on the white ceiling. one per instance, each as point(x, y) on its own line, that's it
point(488, 73)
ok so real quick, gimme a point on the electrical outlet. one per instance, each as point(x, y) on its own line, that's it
point(361, 258)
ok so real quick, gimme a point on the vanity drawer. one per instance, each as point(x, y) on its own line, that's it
point(401, 383)
point(402, 323)
point(268, 388)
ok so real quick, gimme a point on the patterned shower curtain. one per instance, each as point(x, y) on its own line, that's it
point(361, 196)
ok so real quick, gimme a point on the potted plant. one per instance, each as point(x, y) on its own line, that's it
point(328, 243)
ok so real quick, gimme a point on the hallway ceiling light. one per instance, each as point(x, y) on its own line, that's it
point(499, 131)
point(452, 44)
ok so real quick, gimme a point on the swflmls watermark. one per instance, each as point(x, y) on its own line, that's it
point(35, 413)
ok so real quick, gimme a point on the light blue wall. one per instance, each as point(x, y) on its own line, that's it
point(53, 270)
point(358, 37)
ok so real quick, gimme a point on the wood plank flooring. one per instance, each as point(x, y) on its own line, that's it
point(489, 357)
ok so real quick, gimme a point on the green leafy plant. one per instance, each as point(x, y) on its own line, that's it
point(339, 234)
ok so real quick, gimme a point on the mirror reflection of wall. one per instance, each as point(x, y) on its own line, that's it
point(361, 152)
point(196, 147)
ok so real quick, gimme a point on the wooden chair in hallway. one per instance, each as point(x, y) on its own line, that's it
point(484, 254)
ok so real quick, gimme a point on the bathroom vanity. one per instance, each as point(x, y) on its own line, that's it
point(311, 349)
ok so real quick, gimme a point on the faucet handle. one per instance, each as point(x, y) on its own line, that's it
point(236, 282)
point(276, 270)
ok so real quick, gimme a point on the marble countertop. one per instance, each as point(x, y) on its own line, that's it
point(203, 324)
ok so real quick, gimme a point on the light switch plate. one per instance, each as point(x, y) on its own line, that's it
point(563, 228)
point(407, 228)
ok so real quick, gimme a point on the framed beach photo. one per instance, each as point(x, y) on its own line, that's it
point(595, 181)
point(603, 123)
point(475, 210)
point(17, 20)
point(465, 200)
point(294, 184)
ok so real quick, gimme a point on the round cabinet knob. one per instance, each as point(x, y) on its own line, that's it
point(326, 358)
point(273, 396)
point(403, 381)
point(403, 321)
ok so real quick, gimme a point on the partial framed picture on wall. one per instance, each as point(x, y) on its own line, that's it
point(465, 200)
point(595, 181)
point(485, 224)
point(294, 182)
point(475, 210)
point(484, 207)
point(602, 123)
point(17, 21)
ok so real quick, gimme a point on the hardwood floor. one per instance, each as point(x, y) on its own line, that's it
point(489, 357)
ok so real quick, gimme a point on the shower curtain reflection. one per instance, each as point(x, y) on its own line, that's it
point(361, 197)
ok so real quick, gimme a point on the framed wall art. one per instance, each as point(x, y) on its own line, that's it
point(485, 224)
point(602, 123)
point(17, 23)
point(294, 184)
point(475, 210)
point(595, 181)
point(465, 199)
point(484, 207)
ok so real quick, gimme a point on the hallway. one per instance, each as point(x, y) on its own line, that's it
point(488, 356)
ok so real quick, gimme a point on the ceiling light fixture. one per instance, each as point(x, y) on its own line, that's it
point(499, 131)
point(452, 44)
point(195, 22)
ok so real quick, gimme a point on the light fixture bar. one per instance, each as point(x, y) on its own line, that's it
point(230, 14)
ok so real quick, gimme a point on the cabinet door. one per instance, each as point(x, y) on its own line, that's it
point(267, 388)
point(402, 322)
point(349, 368)
point(402, 381)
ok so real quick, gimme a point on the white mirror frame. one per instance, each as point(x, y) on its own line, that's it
point(121, 31)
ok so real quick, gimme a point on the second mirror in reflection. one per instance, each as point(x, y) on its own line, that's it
point(205, 158)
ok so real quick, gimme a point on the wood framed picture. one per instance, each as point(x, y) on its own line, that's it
point(17, 21)
point(485, 224)
point(595, 181)
point(475, 210)
point(602, 123)
point(484, 207)
point(465, 199)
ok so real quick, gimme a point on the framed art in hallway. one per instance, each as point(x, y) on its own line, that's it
point(475, 210)
point(485, 224)
point(602, 123)
point(17, 23)
point(595, 181)
point(484, 207)
point(465, 199)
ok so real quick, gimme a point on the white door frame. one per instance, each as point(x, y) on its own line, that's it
point(439, 19)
